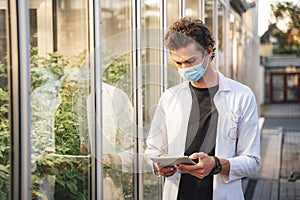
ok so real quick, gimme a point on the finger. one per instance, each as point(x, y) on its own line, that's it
point(194, 156)
point(188, 168)
point(167, 171)
point(200, 155)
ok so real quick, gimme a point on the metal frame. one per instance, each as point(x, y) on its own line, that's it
point(97, 169)
point(20, 118)
point(164, 52)
point(137, 95)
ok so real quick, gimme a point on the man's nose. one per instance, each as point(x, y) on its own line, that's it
point(185, 65)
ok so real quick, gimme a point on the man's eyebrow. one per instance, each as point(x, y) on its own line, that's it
point(189, 60)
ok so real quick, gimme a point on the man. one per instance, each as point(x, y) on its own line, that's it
point(210, 118)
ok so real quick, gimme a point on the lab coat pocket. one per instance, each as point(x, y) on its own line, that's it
point(230, 126)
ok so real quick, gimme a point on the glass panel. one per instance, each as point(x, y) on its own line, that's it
point(117, 109)
point(292, 95)
point(220, 53)
point(173, 15)
point(278, 96)
point(233, 40)
point(208, 14)
point(59, 87)
point(151, 83)
point(4, 105)
point(277, 81)
point(292, 80)
point(192, 8)
point(278, 87)
point(292, 87)
point(173, 11)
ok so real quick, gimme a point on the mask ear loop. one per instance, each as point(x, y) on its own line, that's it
point(201, 63)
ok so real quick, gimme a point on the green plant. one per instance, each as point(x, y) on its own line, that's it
point(4, 133)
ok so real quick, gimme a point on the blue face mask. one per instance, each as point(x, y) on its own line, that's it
point(193, 73)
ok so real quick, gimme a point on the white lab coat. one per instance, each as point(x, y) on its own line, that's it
point(237, 138)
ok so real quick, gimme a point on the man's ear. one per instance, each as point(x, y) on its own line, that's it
point(210, 51)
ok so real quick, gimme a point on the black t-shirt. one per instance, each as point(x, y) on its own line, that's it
point(201, 136)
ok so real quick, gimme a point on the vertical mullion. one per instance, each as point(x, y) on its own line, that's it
point(215, 30)
point(181, 8)
point(20, 187)
point(24, 100)
point(226, 39)
point(137, 96)
point(97, 83)
point(202, 10)
point(164, 53)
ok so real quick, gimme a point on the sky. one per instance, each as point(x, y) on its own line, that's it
point(264, 14)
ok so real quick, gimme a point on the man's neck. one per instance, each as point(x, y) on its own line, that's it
point(210, 79)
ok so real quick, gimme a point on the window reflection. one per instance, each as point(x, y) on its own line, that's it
point(192, 8)
point(4, 106)
point(151, 83)
point(208, 14)
point(59, 145)
point(234, 38)
point(117, 110)
point(220, 54)
point(173, 76)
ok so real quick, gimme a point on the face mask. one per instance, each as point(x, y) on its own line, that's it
point(194, 73)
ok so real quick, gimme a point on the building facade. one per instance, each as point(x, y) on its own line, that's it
point(80, 81)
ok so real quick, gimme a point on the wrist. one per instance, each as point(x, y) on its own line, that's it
point(217, 167)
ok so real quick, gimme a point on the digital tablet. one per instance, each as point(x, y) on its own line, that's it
point(171, 161)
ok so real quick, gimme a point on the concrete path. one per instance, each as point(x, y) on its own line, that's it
point(279, 176)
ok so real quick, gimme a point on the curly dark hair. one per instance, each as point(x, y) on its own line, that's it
point(187, 30)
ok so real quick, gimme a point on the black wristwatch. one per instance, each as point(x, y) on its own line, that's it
point(218, 168)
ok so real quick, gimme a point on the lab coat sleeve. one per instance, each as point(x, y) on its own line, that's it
point(248, 159)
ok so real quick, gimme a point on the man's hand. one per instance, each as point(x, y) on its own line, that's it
point(165, 171)
point(202, 168)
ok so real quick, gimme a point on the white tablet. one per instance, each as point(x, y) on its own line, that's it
point(171, 161)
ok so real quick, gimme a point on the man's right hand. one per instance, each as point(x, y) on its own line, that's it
point(165, 171)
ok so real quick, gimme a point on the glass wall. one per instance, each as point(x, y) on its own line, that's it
point(4, 105)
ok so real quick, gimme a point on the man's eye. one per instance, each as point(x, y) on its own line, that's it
point(178, 63)
point(190, 61)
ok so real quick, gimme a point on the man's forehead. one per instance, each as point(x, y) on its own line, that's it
point(186, 53)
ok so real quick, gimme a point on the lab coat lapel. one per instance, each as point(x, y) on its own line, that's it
point(178, 128)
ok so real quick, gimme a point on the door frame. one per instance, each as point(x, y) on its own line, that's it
point(285, 87)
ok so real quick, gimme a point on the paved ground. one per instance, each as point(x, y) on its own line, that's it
point(279, 176)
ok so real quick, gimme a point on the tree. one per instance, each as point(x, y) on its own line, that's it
point(288, 40)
